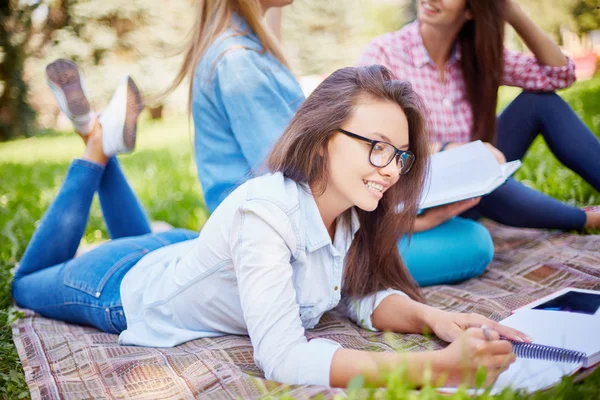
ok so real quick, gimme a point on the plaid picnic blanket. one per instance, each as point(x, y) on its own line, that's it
point(74, 362)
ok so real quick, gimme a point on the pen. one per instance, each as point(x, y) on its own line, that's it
point(486, 332)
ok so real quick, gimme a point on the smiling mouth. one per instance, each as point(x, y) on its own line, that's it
point(373, 185)
point(427, 6)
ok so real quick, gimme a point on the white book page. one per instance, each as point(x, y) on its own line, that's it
point(468, 171)
point(506, 171)
point(510, 168)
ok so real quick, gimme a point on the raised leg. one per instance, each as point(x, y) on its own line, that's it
point(57, 237)
point(123, 212)
point(567, 136)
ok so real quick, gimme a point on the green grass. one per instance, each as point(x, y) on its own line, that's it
point(163, 174)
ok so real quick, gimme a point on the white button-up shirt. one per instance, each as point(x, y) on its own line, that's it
point(264, 266)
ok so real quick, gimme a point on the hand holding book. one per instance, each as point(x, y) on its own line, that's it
point(434, 216)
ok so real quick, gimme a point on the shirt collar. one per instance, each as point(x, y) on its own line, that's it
point(418, 52)
point(316, 232)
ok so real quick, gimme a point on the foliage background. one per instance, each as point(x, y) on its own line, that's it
point(109, 38)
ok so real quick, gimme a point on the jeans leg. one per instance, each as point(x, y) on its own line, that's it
point(57, 237)
point(123, 212)
point(567, 136)
point(456, 250)
point(515, 204)
point(86, 290)
point(517, 127)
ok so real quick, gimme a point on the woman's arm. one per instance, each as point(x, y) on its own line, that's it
point(348, 363)
point(541, 45)
point(404, 315)
point(458, 363)
point(261, 242)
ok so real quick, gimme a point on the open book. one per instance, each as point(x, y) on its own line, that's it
point(467, 171)
point(564, 327)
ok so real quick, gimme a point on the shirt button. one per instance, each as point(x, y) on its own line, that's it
point(97, 294)
point(447, 102)
point(335, 288)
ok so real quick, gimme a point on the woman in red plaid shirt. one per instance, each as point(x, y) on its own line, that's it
point(455, 59)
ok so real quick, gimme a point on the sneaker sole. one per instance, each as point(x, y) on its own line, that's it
point(64, 75)
point(135, 105)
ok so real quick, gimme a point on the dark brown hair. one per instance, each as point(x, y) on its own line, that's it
point(482, 62)
point(373, 262)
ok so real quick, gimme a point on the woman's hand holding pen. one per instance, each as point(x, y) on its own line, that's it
point(471, 346)
point(472, 349)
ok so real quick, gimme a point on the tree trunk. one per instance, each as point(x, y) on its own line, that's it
point(156, 112)
point(16, 116)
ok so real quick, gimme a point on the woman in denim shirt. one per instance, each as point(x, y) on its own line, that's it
point(317, 233)
point(242, 95)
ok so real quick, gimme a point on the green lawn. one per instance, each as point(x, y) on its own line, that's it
point(163, 174)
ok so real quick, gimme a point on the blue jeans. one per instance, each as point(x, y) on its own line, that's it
point(86, 290)
point(568, 138)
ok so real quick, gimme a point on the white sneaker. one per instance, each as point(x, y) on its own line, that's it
point(68, 87)
point(119, 119)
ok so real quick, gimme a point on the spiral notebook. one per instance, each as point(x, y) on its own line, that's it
point(564, 327)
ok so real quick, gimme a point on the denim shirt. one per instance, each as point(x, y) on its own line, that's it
point(242, 100)
point(264, 265)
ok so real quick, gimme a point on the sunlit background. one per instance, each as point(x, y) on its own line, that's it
point(109, 38)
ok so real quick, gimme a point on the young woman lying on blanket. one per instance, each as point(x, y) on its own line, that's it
point(454, 56)
point(243, 96)
point(317, 232)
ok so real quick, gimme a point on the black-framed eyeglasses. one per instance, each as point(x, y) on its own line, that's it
point(382, 153)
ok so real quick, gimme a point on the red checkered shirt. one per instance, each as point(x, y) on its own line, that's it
point(450, 116)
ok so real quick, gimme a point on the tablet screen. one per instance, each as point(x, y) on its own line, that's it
point(571, 301)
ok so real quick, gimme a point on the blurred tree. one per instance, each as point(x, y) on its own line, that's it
point(550, 15)
point(25, 28)
point(385, 16)
point(322, 36)
point(111, 38)
point(587, 15)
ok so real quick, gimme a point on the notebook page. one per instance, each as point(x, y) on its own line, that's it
point(460, 173)
point(532, 375)
point(568, 330)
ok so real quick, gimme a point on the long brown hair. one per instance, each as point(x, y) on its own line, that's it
point(481, 45)
point(213, 18)
point(373, 262)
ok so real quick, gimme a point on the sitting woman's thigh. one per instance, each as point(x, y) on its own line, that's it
point(86, 289)
point(456, 250)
